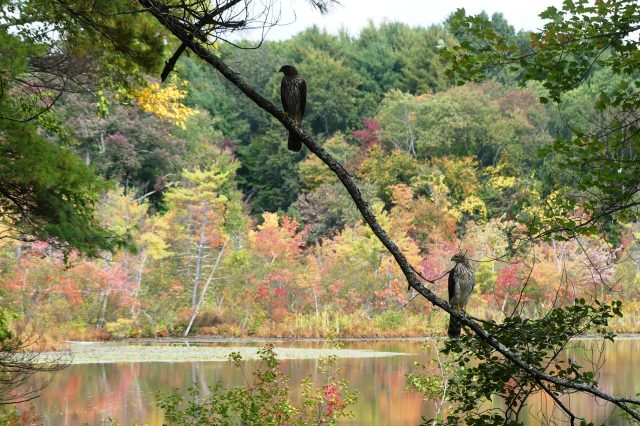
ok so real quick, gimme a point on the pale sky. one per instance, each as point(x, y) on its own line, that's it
point(355, 14)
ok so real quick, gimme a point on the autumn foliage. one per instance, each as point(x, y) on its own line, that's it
point(229, 234)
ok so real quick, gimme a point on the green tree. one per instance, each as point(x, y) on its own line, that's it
point(374, 55)
point(269, 174)
point(206, 91)
point(577, 40)
point(423, 69)
point(327, 77)
point(397, 116)
point(47, 193)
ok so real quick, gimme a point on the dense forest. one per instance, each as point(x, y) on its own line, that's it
point(146, 190)
point(225, 232)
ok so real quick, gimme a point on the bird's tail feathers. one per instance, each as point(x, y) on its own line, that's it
point(455, 327)
point(295, 143)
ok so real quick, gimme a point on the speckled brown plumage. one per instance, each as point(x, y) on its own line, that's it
point(461, 282)
point(293, 94)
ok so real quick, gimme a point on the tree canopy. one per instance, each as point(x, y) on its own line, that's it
point(583, 47)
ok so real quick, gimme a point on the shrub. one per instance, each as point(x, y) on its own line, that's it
point(121, 328)
point(265, 401)
point(390, 320)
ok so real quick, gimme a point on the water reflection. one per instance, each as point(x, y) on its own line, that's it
point(92, 392)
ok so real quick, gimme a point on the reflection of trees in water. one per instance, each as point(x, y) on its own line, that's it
point(613, 366)
point(91, 392)
point(22, 373)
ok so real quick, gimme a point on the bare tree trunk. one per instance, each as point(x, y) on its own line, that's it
point(556, 256)
point(138, 282)
point(411, 142)
point(19, 258)
point(188, 244)
point(204, 290)
point(103, 308)
point(199, 254)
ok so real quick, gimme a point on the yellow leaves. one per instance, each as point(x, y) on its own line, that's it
point(155, 240)
point(165, 102)
point(154, 245)
point(500, 183)
point(460, 174)
point(270, 221)
point(474, 206)
point(440, 196)
point(200, 186)
point(354, 245)
point(121, 213)
point(549, 212)
point(314, 172)
point(499, 178)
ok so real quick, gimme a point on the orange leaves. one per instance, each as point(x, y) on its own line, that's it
point(277, 238)
point(394, 294)
point(401, 195)
point(279, 276)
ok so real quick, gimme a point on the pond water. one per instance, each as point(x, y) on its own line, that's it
point(92, 392)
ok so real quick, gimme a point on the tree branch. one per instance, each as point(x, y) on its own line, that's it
point(208, 18)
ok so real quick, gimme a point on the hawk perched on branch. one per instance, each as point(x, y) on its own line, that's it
point(293, 93)
point(461, 282)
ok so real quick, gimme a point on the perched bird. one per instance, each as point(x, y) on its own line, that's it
point(293, 93)
point(461, 282)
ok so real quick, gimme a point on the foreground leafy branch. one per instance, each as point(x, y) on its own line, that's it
point(265, 399)
point(539, 343)
point(183, 32)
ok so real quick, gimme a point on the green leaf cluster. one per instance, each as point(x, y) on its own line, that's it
point(264, 401)
point(480, 372)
